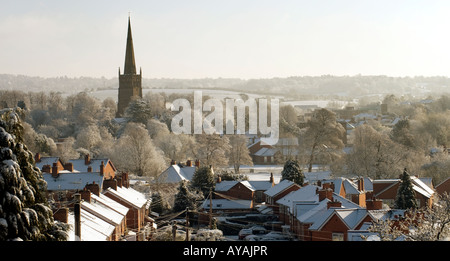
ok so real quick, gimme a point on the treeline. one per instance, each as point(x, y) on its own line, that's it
point(297, 86)
point(141, 142)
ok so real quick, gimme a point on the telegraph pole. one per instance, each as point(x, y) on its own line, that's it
point(77, 214)
point(210, 209)
point(187, 224)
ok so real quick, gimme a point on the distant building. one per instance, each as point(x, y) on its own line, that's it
point(130, 83)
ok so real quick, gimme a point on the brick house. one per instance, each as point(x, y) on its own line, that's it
point(443, 187)
point(278, 191)
point(96, 206)
point(265, 154)
point(386, 190)
point(94, 165)
point(247, 190)
point(135, 201)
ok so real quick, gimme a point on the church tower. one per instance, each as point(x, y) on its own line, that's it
point(130, 83)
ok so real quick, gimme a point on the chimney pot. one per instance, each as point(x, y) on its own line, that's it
point(47, 168)
point(68, 166)
point(102, 168)
point(94, 188)
point(37, 157)
point(325, 193)
point(55, 172)
point(361, 184)
point(87, 159)
point(334, 204)
point(89, 168)
point(86, 195)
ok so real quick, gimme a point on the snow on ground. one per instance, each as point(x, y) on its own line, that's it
point(262, 172)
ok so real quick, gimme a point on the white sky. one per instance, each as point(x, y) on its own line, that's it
point(226, 38)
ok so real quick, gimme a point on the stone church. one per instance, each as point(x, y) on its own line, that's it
point(130, 83)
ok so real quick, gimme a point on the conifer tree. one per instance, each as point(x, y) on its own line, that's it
point(405, 194)
point(203, 180)
point(292, 171)
point(24, 211)
point(185, 198)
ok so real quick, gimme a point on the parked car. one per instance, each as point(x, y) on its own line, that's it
point(254, 230)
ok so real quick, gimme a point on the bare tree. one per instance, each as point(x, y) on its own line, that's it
point(323, 135)
point(134, 151)
point(238, 153)
point(211, 149)
point(425, 224)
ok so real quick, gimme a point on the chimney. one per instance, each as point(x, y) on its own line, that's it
point(110, 183)
point(197, 163)
point(219, 179)
point(119, 181)
point(37, 157)
point(87, 159)
point(271, 178)
point(125, 180)
point(61, 215)
point(189, 163)
point(173, 162)
point(55, 172)
point(94, 188)
point(328, 186)
point(374, 204)
point(47, 168)
point(102, 168)
point(89, 168)
point(68, 166)
point(334, 204)
point(325, 193)
point(86, 195)
point(361, 184)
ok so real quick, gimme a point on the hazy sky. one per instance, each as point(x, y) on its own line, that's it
point(227, 38)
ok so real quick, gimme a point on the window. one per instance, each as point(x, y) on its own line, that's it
point(338, 237)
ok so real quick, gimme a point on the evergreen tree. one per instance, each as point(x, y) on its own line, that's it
point(405, 194)
point(293, 172)
point(159, 204)
point(185, 198)
point(203, 180)
point(24, 211)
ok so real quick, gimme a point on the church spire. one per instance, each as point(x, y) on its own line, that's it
point(130, 65)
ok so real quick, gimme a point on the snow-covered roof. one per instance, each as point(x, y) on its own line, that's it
point(131, 196)
point(313, 177)
point(79, 164)
point(225, 185)
point(46, 161)
point(260, 184)
point(305, 194)
point(349, 186)
point(418, 186)
point(93, 228)
point(278, 188)
point(175, 173)
point(103, 212)
point(223, 204)
point(306, 211)
point(350, 217)
point(72, 180)
point(108, 202)
point(265, 152)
